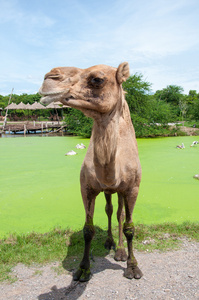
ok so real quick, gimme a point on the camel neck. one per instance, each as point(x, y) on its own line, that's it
point(105, 135)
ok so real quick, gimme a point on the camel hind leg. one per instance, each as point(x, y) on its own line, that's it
point(109, 211)
point(120, 254)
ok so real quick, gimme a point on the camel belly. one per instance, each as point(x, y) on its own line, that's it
point(113, 188)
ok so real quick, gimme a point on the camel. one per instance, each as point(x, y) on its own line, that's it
point(111, 164)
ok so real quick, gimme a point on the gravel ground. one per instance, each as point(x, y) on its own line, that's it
point(169, 275)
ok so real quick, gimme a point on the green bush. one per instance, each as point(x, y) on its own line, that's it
point(77, 123)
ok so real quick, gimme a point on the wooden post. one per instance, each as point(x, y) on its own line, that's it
point(42, 127)
point(5, 120)
point(24, 129)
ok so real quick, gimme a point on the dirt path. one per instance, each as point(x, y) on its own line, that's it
point(169, 275)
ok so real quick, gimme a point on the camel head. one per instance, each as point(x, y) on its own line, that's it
point(93, 90)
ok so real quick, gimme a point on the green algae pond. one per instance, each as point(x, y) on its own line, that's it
point(40, 189)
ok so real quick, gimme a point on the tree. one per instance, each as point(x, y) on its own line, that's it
point(137, 93)
point(171, 94)
point(183, 107)
point(160, 112)
point(191, 99)
point(146, 110)
point(195, 112)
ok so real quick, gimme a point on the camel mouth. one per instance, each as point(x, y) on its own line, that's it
point(69, 98)
point(48, 98)
point(77, 98)
point(74, 99)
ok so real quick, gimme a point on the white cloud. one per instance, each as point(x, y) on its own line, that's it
point(11, 12)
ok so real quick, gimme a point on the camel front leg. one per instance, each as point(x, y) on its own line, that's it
point(83, 273)
point(132, 270)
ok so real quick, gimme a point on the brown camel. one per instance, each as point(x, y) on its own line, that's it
point(111, 163)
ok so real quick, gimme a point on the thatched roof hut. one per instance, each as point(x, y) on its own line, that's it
point(37, 105)
point(21, 105)
point(12, 106)
point(53, 105)
point(28, 106)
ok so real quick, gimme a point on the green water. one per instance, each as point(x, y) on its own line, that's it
point(168, 192)
point(39, 185)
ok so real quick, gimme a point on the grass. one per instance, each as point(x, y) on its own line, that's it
point(66, 246)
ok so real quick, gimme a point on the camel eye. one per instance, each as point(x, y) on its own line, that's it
point(97, 82)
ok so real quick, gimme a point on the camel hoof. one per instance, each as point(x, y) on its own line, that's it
point(137, 273)
point(128, 273)
point(82, 275)
point(109, 244)
point(133, 273)
point(120, 255)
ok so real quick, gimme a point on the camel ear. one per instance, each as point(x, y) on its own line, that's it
point(122, 72)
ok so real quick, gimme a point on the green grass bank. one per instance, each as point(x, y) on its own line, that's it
point(66, 246)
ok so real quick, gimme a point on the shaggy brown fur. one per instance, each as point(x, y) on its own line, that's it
point(111, 163)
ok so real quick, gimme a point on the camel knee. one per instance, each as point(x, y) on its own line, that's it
point(109, 209)
point(88, 232)
point(128, 230)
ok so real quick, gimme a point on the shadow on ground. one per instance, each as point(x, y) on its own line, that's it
point(71, 262)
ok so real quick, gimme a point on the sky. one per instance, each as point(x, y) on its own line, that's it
point(158, 38)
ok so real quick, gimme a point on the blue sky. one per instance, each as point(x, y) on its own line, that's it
point(159, 39)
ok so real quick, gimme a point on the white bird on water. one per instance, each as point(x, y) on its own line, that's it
point(82, 146)
point(78, 146)
point(180, 146)
point(71, 153)
point(194, 143)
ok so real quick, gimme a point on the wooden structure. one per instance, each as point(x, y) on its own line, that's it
point(33, 127)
